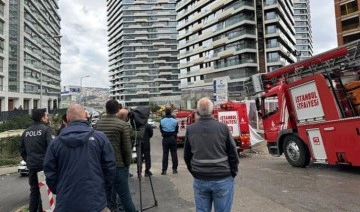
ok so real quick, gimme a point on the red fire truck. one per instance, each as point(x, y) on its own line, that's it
point(234, 115)
point(182, 118)
point(317, 116)
point(231, 113)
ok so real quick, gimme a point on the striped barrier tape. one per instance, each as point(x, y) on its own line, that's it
point(50, 196)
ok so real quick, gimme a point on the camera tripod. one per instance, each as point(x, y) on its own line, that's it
point(139, 171)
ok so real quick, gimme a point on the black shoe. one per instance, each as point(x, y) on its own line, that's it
point(175, 171)
point(149, 173)
point(163, 173)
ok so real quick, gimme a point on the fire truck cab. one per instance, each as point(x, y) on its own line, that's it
point(316, 116)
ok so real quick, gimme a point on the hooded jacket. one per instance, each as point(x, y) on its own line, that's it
point(78, 164)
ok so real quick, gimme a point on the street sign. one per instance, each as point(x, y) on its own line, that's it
point(220, 86)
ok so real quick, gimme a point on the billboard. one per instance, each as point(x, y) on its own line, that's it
point(70, 90)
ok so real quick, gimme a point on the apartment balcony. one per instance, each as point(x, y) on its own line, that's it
point(191, 11)
point(160, 80)
point(196, 72)
point(226, 14)
point(220, 42)
point(159, 61)
point(275, 62)
point(226, 53)
point(217, 5)
point(142, 92)
point(351, 28)
point(198, 60)
point(141, 56)
point(141, 20)
point(196, 27)
point(166, 91)
point(349, 11)
point(142, 74)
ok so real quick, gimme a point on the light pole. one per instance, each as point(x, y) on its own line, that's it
point(41, 68)
point(81, 78)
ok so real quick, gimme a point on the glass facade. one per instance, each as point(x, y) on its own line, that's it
point(304, 43)
point(30, 54)
point(234, 39)
point(142, 46)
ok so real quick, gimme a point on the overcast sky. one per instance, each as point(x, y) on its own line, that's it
point(84, 41)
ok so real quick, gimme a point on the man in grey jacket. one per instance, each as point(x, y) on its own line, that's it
point(211, 157)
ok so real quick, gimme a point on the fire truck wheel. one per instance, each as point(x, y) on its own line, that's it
point(296, 152)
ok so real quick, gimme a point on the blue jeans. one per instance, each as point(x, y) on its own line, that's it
point(221, 192)
point(121, 186)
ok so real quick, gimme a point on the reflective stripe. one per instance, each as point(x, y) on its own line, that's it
point(210, 161)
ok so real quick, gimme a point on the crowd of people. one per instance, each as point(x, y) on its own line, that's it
point(90, 165)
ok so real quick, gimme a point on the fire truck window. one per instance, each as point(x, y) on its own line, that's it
point(271, 105)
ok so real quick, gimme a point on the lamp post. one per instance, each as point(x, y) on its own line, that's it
point(81, 78)
point(41, 68)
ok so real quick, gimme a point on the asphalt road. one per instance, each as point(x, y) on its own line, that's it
point(264, 183)
point(14, 192)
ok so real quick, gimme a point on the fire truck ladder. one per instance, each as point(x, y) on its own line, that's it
point(336, 62)
point(341, 96)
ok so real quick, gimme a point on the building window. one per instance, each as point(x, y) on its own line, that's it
point(1, 27)
point(1, 64)
point(1, 46)
point(2, 9)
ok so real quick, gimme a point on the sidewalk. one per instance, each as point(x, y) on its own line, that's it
point(8, 170)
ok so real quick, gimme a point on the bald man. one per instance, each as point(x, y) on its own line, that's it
point(214, 167)
point(78, 162)
point(123, 114)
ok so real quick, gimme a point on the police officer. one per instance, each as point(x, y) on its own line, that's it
point(169, 129)
point(34, 142)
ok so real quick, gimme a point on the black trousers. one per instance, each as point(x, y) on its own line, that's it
point(169, 144)
point(145, 148)
point(35, 197)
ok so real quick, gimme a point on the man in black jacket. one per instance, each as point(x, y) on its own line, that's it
point(145, 146)
point(211, 157)
point(33, 145)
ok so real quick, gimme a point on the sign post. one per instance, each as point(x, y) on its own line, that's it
point(220, 85)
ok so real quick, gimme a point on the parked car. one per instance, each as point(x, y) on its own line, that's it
point(152, 123)
point(134, 155)
point(22, 168)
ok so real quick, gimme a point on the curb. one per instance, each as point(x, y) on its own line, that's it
point(8, 170)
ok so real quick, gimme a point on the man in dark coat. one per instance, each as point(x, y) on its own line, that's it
point(211, 157)
point(145, 146)
point(78, 165)
point(34, 142)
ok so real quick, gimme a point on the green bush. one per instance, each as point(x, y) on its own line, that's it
point(9, 147)
point(9, 162)
point(22, 121)
point(55, 122)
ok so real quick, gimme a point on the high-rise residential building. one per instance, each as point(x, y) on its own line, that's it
point(304, 44)
point(30, 54)
point(142, 49)
point(231, 40)
point(347, 15)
